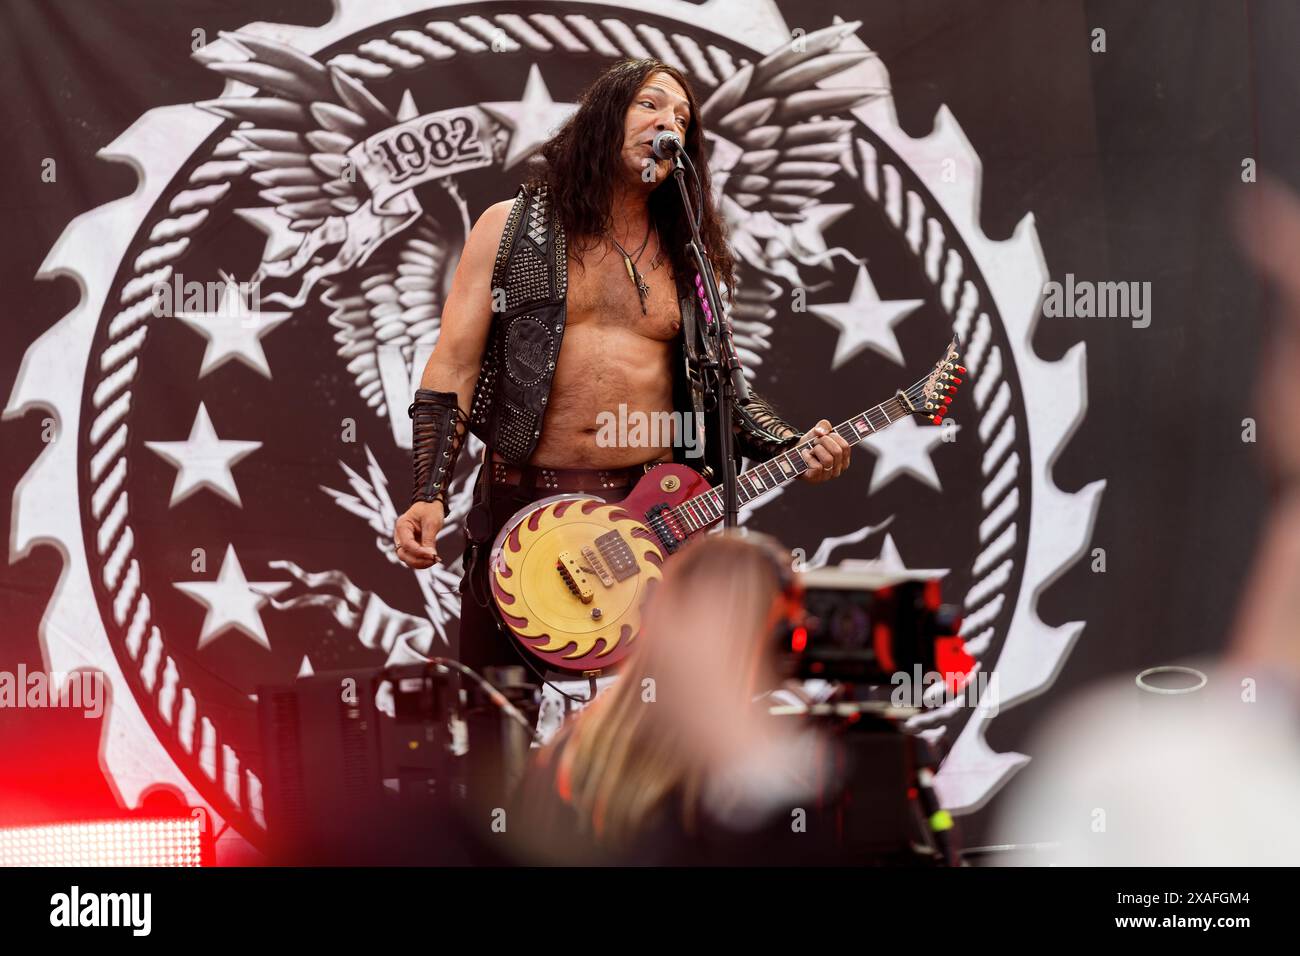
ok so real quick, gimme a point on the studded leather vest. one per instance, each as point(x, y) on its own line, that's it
point(530, 286)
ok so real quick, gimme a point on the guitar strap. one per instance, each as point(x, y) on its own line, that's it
point(692, 392)
point(761, 432)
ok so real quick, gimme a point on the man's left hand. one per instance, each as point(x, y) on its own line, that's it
point(829, 458)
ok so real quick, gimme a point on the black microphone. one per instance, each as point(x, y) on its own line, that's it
point(666, 144)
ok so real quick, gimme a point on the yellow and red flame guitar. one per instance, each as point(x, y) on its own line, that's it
point(569, 572)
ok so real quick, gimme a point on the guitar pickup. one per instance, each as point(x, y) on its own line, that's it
point(575, 579)
point(617, 554)
point(597, 567)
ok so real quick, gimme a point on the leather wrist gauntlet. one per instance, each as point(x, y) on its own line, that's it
point(763, 433)
point(438, 428)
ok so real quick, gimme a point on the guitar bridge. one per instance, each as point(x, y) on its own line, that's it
point(574, 577)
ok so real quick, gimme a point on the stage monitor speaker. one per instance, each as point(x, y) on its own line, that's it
point(322, 764)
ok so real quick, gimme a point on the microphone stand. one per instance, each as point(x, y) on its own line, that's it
point(722, 375)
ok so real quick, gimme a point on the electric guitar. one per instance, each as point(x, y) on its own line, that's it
point(569, 572)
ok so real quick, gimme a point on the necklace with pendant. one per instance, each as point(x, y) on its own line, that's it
point(642, 289)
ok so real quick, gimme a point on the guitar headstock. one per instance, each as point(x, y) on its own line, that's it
point(939, 388)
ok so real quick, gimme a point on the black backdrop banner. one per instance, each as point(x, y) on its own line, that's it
point(203, 494)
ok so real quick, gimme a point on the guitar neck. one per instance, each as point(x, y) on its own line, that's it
point(705, 509)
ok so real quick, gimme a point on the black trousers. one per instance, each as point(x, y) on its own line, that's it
point(483, 640)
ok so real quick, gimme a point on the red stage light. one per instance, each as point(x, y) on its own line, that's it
point(799, 639)
point(136, 842)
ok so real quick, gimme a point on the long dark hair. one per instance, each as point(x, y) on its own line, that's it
point(581, 165)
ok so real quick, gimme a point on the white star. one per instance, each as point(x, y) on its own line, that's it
point(203, 460)
point(231, 601)
point(891, 561)
point(532, 120)
point(406, 110)
point(281, 241)
point(233, 331)
point(808, 234)
point(865, 321)
point(904, 449)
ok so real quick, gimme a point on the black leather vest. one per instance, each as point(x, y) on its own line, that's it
point(514, 383)
point(529, 285)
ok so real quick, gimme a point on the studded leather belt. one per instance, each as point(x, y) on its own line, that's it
point(567, 479)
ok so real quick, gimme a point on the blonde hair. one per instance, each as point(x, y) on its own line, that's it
point(684, 694)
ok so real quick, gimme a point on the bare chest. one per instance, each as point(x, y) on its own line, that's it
point(601, 292)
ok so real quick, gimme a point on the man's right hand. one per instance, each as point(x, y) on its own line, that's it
point(416, 534)
point(455, 364)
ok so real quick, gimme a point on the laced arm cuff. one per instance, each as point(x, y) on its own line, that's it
point(762, 433)
point(438, 429)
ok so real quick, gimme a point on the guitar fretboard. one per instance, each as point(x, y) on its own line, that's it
point(698, 513)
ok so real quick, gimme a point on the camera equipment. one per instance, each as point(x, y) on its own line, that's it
point(864, 626)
